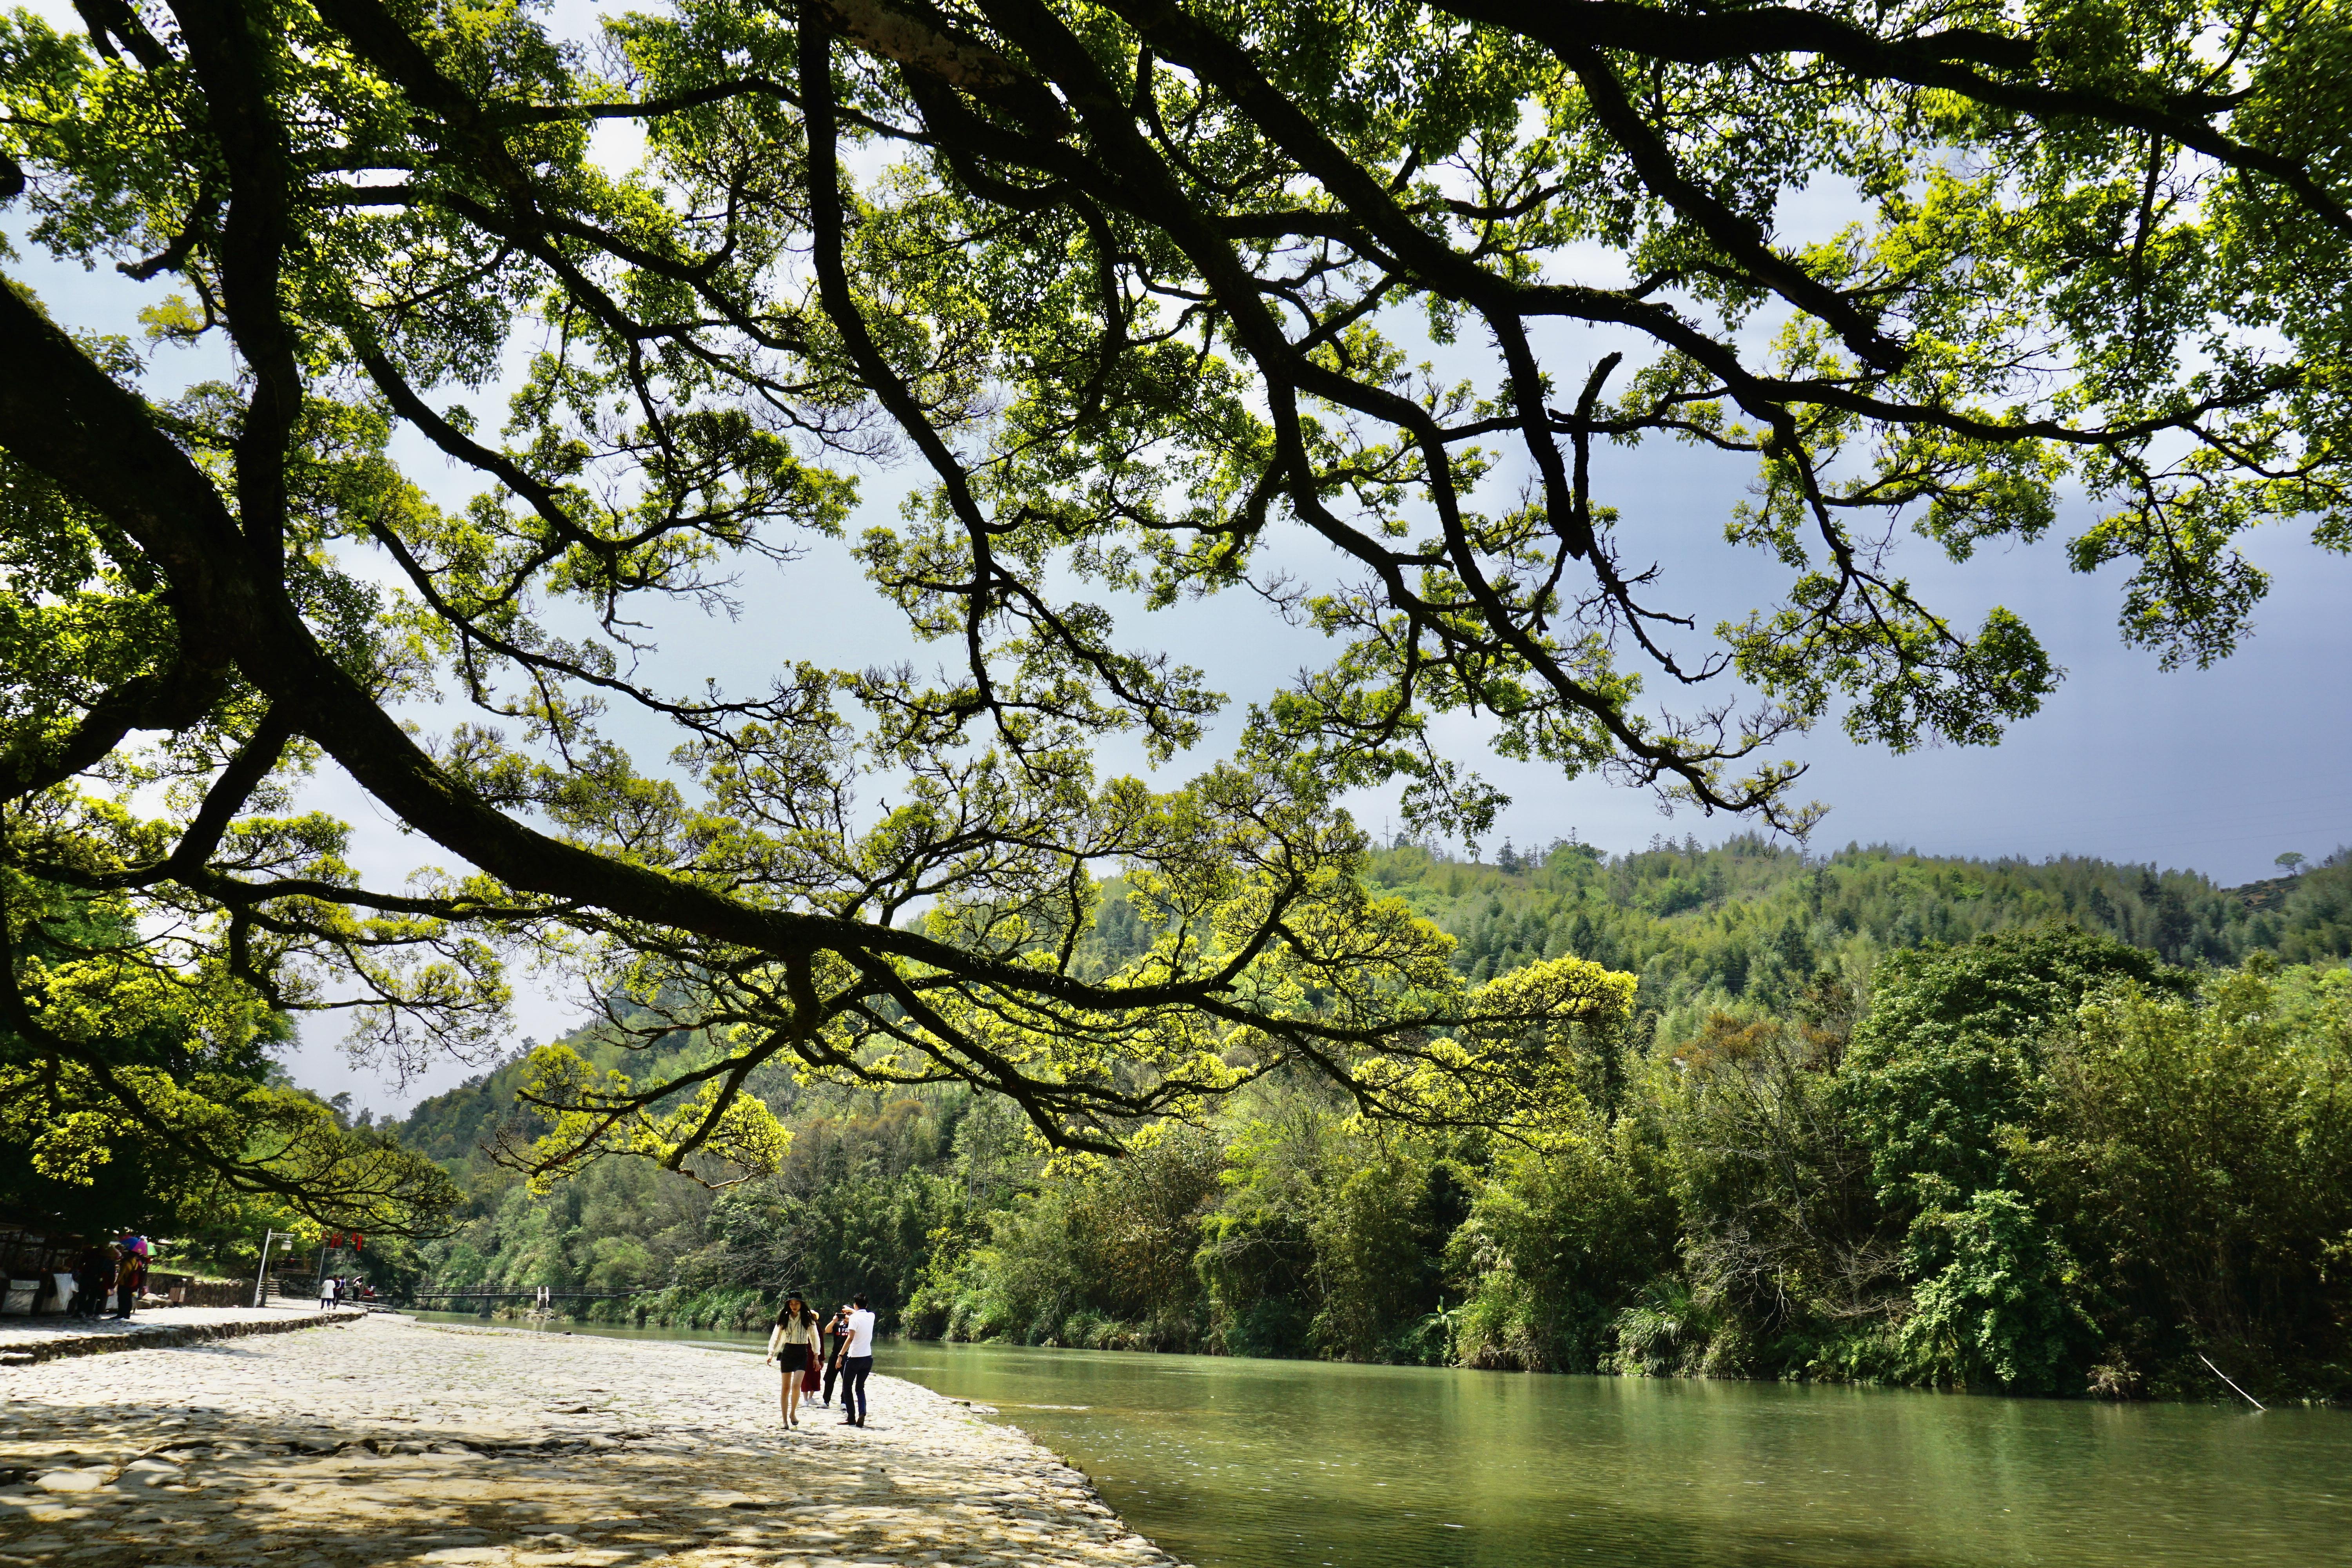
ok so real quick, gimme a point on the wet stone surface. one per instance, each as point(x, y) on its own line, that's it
point(390, 1441)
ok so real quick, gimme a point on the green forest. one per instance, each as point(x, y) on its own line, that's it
point(2057, 1128)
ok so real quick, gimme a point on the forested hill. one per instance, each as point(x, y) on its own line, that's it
point(1709, 926)
point(1751, 920)
point(1703, 926)
point(1841, 1145)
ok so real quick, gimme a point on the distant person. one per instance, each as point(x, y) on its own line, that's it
point(836, 1336)
point(328, 1289)
point(130, 1281)
point(93, 1278)
point(857, 1362)
point(793, 1344)
point(85, 1278)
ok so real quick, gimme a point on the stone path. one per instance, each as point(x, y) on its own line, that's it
point(26, 1339)
point(388, 1441)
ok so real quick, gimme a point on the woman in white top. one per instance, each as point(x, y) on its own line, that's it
point(794, 1341)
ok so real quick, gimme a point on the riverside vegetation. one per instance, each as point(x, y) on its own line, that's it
point(2051, 1128)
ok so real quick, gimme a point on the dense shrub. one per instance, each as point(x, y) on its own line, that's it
point(1098, 1253)
point(1562, 1239)
point(2199, 1151)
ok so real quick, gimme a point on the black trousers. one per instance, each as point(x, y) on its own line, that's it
point(854, 1370)
point(832, 1373)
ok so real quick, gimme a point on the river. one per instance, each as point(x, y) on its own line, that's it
point(1276, 1464)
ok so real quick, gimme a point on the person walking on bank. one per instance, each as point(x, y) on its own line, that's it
point(129, 1282)
point(836, 1337)
point(329, 1288)
point(857, 1361)
point(794, 1342)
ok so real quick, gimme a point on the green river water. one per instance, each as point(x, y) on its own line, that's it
point(1267, 1464)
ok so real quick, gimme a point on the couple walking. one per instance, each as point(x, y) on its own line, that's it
point(844, 1346)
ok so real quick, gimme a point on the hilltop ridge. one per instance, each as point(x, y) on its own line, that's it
point(1708, 926)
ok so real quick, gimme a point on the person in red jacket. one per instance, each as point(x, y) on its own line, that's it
point(129, 1281)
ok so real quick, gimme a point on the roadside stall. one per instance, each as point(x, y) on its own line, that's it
point(38, 1265)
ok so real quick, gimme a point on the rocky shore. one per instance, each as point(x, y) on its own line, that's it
point(390, 1441)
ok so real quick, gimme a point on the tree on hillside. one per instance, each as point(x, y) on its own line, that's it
point(1137, 289)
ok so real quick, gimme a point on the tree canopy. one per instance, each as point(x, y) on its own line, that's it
point(136, 1090)
point(1139, 288)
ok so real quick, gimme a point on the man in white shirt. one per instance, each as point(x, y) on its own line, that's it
point(857, 1360)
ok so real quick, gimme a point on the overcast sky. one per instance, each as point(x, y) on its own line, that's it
point(2219, 771)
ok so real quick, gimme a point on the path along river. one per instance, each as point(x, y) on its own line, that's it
point(1256, 1464)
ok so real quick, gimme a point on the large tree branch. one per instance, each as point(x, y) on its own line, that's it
point(67, 419)
point(1134, 177)
point(225, 46)
point(1946, 59)
point(174, 698)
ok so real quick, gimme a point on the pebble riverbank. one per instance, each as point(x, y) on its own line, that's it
point(390, 1441)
